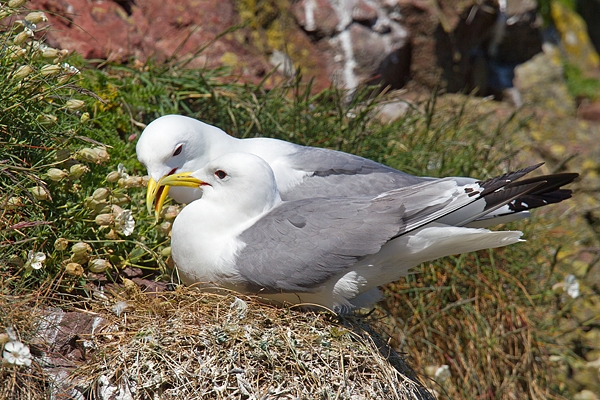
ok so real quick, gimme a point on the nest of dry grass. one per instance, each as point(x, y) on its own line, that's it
point(190, 345)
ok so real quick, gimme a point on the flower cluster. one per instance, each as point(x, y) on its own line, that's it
point(124, 180)
point(106, 205)
point(38, 69)
point(96, 155)
point(94, 216)
point(81, 253)
point(107, 208)
point(119, 219)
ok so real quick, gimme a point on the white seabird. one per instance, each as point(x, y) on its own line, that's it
point(330, 251)
point(175, 143)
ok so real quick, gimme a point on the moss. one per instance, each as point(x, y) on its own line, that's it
point(274, 28)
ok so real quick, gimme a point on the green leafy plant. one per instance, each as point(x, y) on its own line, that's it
point(581, 86)
point(53, 169)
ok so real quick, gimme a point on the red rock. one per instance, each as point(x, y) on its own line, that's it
point(589, 110)
point(322, 42)
point(153, 29)
point(59, 334)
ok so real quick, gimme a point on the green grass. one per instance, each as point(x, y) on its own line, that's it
point(580, 86)
point(479, 313)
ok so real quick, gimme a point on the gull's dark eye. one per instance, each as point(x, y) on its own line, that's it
point(220, 174)
point(178, 150)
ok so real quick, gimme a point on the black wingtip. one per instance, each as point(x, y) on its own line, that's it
point(536, 191)
point(552, 182)
point(532, 200)
point(491, 185)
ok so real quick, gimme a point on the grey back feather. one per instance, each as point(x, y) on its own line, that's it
point(334, 173)
point(312, 240)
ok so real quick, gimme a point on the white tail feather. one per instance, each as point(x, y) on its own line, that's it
point(397, 257)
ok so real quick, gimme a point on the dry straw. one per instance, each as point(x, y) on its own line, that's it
point(188, 344)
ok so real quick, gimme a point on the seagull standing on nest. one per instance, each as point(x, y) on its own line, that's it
point(174, 143)
point(329, 251)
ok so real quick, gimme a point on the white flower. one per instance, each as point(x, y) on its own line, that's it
point(125, 222)
point(69, 68)
point(34, 45)
point(74, 104)
point(56, 174)
point(100, 194)
point(443, 373)
point(22, 72)
point(81, 248)
point(50, 70)
point(240, 306)
point(113, 176)
point(571, 286)
point(14, 52)
point(48, 52)
point(77, 170)
point(40, 193)
point(122, 171)
point(16, 353)
point(131, 182)
point(120, 307)
point(35, 260)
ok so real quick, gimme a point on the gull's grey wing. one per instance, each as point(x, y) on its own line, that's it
point(326, 162)
point(301, 244)
point(334, 173)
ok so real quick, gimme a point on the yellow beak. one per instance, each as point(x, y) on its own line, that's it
point(151, 194)
point(160, 190)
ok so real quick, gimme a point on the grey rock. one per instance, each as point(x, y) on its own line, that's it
point(360, 41)
point(364, 13)
point(392, 111)
point(317, 17)
point(369, 48)
point(585, 395)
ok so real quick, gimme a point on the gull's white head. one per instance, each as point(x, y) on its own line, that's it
point(175, 143)
point(238, 188)
point(241, 179)
point(239, 183)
